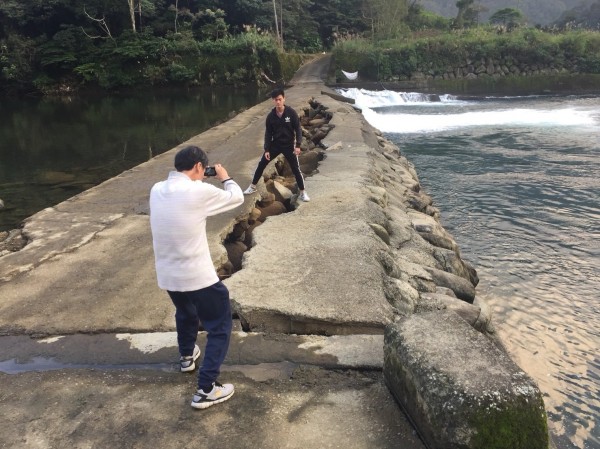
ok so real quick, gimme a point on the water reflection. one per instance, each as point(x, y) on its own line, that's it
point(54, 148)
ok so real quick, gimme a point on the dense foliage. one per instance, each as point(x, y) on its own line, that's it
point(573, 51)
point(61, 45)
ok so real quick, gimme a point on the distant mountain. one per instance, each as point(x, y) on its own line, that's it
point(586, 13)
point(542, 12)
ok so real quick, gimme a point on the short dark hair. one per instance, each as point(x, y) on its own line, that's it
point(277, 92)
point(187, 157)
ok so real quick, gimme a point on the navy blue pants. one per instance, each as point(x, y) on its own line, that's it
point(292, 160)
point(211, 307)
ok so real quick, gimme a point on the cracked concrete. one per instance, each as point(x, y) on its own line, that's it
point(87, 276)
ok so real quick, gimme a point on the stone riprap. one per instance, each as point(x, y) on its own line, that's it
point(373, 237)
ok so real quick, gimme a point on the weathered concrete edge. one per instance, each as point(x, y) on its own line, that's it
point(362, 155)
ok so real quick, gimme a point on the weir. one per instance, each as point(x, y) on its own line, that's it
point(366, 256)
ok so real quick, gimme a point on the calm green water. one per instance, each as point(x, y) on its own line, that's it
point(54, 148)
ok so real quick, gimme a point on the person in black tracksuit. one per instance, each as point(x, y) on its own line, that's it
point(283, 135)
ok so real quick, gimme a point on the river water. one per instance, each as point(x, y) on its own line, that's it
point(517, 180)
point(54, 148)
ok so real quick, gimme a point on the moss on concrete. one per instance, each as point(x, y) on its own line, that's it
point(522, 426)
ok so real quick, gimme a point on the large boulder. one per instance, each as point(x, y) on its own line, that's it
point(462, 288)
point(281, 192)
point(459, 388)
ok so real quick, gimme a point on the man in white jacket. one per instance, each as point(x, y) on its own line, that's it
point(179, 207)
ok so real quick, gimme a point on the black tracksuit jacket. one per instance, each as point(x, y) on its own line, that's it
point(281, 133)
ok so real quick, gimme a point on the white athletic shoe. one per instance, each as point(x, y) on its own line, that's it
point(219, 393)
point(304, 196)
point(250, 190)
point(188, 363)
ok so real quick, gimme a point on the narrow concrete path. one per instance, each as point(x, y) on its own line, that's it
point(87, 339)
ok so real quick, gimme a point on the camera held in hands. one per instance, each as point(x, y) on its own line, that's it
point(210, 171)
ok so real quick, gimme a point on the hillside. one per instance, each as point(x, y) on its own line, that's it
point(541, 12)
point(587, 14)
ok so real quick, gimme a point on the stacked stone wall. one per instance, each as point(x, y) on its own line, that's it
point(489, 68)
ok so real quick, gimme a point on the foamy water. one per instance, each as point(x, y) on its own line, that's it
point(395, 112)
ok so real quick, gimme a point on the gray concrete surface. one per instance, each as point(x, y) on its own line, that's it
point(87, 346)
point(328, 279)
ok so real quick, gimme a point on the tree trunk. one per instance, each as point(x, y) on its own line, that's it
point(276, 23)
point(281, 23)
point(132, 13)
point(140, 13)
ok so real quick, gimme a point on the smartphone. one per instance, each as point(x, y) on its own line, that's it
point(210, 171)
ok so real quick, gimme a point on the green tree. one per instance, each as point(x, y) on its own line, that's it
point(299, 29)
point(211, 24)
point(295, 21)
point(34, 18)
point(140, 10)
point(17, 59)
point(508, 17)
point(337, 18)
point(467, 14)
point(386, 18)
point(113, 15)
point(420, 19)
point(242, 13)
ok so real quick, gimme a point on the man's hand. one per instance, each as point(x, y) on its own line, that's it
point(267, 155)
point(221, 172)
point(297, 151)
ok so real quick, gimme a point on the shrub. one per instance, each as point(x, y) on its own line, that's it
point(17, 61)
point(180, 73)
point(441, 53)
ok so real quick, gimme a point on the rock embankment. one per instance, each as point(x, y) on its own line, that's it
point(369, 255)
point(369, 206)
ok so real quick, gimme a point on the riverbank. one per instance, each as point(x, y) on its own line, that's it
point(566, 84)
point(360, 255)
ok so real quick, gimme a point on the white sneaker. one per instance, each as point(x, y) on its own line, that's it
point(250, 190)
point(188, 363)
point(304, 196)
point(219, 393)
